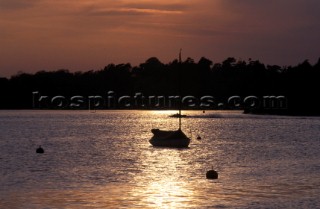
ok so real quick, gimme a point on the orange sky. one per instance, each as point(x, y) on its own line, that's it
point(89, 34)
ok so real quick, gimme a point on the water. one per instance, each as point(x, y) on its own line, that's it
point(104, 160)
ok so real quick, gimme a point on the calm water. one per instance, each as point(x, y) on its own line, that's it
point(104, 160)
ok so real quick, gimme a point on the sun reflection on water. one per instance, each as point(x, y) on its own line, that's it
point(162, 183)
point(167, 194)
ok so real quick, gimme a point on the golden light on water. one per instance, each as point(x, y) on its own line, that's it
point(162, 184)
point(167, 194)
point(165, 112)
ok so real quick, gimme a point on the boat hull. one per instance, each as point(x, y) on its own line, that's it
point(173, 139)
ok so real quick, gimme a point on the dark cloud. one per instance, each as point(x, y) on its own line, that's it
point(273, 8)
point(273, 17)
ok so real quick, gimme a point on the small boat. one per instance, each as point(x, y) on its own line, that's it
point(171, 139)
point(174, 139)
point(177, 115)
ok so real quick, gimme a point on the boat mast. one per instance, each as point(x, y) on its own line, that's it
point(179, 74)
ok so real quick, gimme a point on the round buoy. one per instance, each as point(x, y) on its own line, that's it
point(212, 174)
point(40, 150)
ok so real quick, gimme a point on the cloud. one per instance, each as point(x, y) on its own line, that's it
point(123, 8)
point(272, 9)
point(131, 11)
point(158, 6)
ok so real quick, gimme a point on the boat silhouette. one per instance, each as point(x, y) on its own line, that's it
point(173, 139)
point(177, 115)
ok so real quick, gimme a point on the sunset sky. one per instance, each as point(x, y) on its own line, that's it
point(89, 34)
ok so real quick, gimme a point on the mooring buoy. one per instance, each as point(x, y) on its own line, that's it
point(212, 174)
point(40, 150)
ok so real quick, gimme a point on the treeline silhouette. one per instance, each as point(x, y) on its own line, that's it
point(298, 84)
